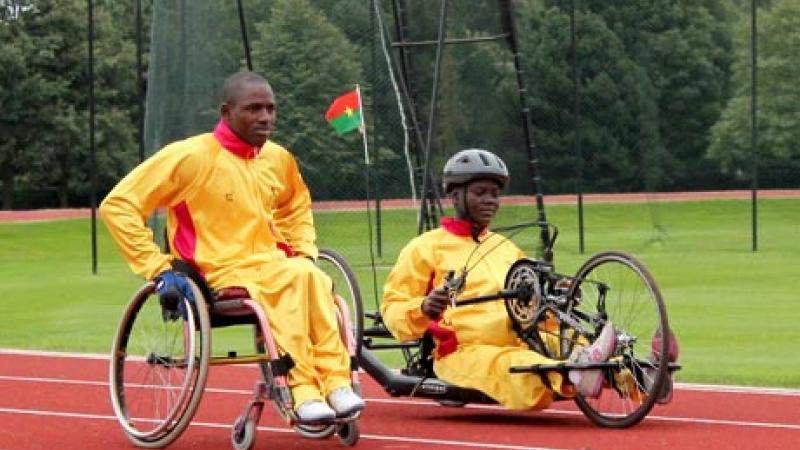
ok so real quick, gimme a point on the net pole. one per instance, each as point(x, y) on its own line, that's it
point(533, 159)
point(426, 181)
point(376, 142)
point(245, 40)
point(139, 77)
point(92, 159)
point(754, 121)
point(576, 111)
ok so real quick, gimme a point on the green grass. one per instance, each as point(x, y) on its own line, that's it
point(734, 310)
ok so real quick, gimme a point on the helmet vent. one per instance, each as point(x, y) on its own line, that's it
point(483, 158)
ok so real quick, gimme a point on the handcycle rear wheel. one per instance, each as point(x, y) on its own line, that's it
point(617, 287)
point(158, 367)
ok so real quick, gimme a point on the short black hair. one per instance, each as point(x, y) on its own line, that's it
point(233, 84)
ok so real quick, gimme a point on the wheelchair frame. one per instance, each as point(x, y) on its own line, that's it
point(160, 361)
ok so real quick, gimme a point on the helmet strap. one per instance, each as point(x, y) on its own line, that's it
point(463, 213)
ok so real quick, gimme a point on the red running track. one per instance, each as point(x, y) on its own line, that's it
point(58, 401)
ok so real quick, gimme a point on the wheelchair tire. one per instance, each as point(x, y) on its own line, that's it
point(155, 387)
point(345, 284)
point(634, 305)
point(348, 433)
point(244, 439)
point(315, 431)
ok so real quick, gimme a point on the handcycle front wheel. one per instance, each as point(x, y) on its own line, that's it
point(158, 368)
point(614, 286)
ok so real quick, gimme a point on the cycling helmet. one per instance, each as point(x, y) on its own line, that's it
point(473, 164)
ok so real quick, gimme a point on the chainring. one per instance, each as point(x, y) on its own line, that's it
point(523, 277)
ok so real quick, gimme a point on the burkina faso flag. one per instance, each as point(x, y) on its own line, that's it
point(344, 114)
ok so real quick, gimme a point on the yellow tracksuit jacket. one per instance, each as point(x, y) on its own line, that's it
point(487, 344)
point(235, 212)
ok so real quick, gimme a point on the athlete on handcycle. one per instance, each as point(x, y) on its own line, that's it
point(477, 344)
point(239, 213)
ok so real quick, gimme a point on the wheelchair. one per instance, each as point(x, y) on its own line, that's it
point(553, 313)
point(161, 356)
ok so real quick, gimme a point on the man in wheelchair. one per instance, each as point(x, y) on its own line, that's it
point(239, 213)
point(475, 344)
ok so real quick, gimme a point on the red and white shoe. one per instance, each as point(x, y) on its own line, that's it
point(589, 382)
point(673, 350)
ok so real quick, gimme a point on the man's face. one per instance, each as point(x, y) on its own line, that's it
point(252, 116)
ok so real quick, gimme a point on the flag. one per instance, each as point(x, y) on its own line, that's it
point(344, 114)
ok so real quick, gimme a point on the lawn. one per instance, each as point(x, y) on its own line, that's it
point(735, 311)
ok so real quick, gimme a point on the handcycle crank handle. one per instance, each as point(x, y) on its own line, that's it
point(505, 293)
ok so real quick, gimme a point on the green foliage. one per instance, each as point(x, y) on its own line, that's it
point(685, 49)
point(777, 94)
point(309, 62)
point(46, 67)
point(630, 108)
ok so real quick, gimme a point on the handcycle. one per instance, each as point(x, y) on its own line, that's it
point(553, 313)
point(162, 353)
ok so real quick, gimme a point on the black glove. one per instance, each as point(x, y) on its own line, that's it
point(435, 303)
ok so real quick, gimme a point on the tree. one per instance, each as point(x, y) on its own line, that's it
point(44, 61)
point(308, 62)
point(778, 96)
point(685, 48)
point(615, 93)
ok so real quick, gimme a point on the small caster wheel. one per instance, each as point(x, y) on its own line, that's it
point(243, 434)
point(348, 433)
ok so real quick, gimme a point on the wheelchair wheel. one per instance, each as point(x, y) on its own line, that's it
point(348, 433)
point(243, 435)
point(158, 369)
point(345, 284)
point(614, 286)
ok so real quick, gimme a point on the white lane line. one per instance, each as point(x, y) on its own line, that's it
point(719, 388)
point(428, 403)
point(376, 437)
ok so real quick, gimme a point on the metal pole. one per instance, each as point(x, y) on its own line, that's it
point(426, 185)
point(576, 111)
point(245, 41)
point(92, 160)
point(375, 138)
point(139, 77)
point(403, 62)
point(754, 122)
point(533, 159)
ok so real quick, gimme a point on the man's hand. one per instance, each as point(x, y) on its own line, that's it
point(435, 303)
point(172, 288)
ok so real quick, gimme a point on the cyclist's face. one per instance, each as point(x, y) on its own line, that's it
point(252, 116)
point(482, 202)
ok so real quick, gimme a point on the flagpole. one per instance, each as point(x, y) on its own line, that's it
point(363, 129)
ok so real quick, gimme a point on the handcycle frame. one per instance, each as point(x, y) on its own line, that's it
point(579, 305)
point(173, 367)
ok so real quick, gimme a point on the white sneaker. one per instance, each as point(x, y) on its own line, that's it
point(315, 411)
point(589, 383)
point(345, 402)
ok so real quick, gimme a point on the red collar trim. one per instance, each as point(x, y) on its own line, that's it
point(233, 143)
point(459, 227)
